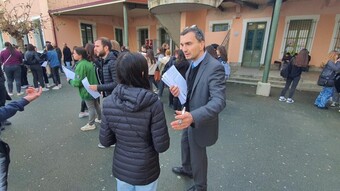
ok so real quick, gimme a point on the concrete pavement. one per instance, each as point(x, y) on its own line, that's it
point(263, 145)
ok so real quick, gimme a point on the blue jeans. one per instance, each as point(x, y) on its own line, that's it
point(13, 72)
point(68, 65)
point(324, 96)
point(123, 186)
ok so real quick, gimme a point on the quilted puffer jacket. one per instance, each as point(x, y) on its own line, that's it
point(134, 120)
point(108, 75)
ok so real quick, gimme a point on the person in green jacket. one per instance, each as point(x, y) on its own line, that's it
point(85, 69)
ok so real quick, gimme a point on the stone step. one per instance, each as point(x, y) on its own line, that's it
point(278, 82)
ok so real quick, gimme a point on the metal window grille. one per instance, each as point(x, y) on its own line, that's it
point(220, 27)
point(86, 33)
point(119, 36)
point(164, 36)
point(299, 35)
point(337, 39)
point(38, 35)
point(143, 35)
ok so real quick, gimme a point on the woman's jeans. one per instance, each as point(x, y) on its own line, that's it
point(68, 65)
point(55, 75)
point(323, 97)
point(293, 88)
point(152, 81)
point(123, 186)
point(24, 81)
point(13, 72)
point(37, 73)
point(45, 75)
point(160, 88)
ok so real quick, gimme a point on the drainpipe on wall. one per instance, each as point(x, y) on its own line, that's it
point(263, 87)
point(126, 26)
point(54, 31)
point(271, 41)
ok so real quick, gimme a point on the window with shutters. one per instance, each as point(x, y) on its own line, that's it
point(299, 35)
point(86, 33)
point(337, 37)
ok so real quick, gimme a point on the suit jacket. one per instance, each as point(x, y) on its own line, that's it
point(207, 100)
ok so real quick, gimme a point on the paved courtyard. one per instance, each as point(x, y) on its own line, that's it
point(264, 145)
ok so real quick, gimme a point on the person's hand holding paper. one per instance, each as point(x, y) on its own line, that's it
point(174, 79)
point(69, 74)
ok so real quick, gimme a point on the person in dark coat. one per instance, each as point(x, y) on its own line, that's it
point(33, 61)
point(6, 112)
point(298, 64)
point(331, 68)
point(205, 100)
point(67, 56)
point(182, 65)
point(3, 96)
point(133, 119)
point(102, 49)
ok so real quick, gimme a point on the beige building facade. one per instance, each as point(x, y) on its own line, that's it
point(242, 26)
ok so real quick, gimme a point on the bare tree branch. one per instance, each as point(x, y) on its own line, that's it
point(15, 19)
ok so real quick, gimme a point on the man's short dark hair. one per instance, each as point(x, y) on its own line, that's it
point(105, 42)
point(198, 32)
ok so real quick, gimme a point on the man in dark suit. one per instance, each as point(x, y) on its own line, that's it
point(205, 100)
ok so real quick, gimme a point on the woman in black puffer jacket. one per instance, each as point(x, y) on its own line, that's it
point(134, 120)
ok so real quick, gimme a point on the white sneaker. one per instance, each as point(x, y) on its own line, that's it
point(10, 94)
point(290, 100)
point(19, 94)
point(55, 88)
point(59, 85)
point(88, 127)
point(282, 98)
point(333, 104)
point(48, 85)
point(97, 120)
point(83, 114)
point(103, 147)
point(44, 89)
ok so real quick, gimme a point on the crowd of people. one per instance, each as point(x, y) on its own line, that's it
point(129, 111)
point(128, 99)
point(329, 78)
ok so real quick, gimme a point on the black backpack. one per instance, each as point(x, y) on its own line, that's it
point(286, 69)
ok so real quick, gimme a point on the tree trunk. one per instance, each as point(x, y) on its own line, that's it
point(20, 43)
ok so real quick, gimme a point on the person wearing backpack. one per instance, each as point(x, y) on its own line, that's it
point(295, 68)
point(223, 58)
point(33, 61)
point(332, 66)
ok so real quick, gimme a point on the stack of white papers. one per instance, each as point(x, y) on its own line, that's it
point(86, 84)
point(173, 78)
point(69, 74)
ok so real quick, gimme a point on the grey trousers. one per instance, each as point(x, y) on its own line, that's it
point(94, 110)
point(194, 159)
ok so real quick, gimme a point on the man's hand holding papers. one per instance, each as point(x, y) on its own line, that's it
point(173, 78)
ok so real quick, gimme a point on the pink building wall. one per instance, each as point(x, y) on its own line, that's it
point(67, 28)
